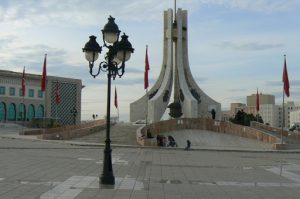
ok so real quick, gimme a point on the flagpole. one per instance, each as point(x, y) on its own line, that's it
point(116, 101)
point(45, 112)
point(146, 83)
point(23, 93)
point(23, 116)
point(57, 99)
point(286, 87)
point(117, 106)
point(44, 90)
point(147, 98)
point(257, 105)
point(283, 118)
point(56, 112)
point(118, 114)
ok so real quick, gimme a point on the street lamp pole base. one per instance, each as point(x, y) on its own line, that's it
point(108, 179)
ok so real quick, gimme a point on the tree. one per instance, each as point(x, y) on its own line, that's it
point(243, 118)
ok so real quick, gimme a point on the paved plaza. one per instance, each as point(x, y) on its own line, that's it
point(32, 169)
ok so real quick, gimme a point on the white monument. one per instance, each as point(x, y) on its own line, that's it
point(189, 100)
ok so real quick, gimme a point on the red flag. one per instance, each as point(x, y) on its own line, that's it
point(285, 79)
point(257, 101)
point(147, 68)
point(43, 84)
point(57, 99)
point(23, 82)
point(116, 98)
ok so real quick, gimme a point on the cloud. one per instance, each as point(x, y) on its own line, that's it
point(5, 41)
point(134, 71)
point(236, 99)
point(250, 46)
point(28, 56)
point(200, 79)
point(237, 90)
point(295, 83)
point(120, 81)
point(30, 12)
point(266, 6)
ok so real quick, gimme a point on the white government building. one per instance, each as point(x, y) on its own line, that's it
point(15, 108)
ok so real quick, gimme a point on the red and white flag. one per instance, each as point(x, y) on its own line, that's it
point(257, 101)
point(44, 79)
point(57, 93)
point(285, 79)
point(116, 98)
point(147, 68)
point(23, 82)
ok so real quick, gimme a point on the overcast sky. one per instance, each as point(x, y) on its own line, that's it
point(235, 46)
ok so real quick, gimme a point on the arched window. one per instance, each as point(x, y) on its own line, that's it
point(30, 112)
point(40, 111)
point(11, 113)
point(2, 111)
point(22, 112)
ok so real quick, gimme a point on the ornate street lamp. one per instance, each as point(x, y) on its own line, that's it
point(118, 53)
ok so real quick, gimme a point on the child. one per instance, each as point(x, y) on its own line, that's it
point(188, 145)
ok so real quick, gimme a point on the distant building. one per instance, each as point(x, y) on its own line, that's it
point(226, 115)
point(270, 113)
point(235, 107)
point(263, 99)
point(294, 117)
point(289, 108)
point(15, 108)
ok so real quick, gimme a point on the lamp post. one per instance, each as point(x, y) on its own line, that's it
point(114, 64)
point(74, 114)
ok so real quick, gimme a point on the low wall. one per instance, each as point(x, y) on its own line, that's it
point(202, 124)
point(295, 136)
point(68, 132)
point(292, 136)
point(269, 128)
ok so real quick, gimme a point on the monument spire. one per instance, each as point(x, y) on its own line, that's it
point(174, 7)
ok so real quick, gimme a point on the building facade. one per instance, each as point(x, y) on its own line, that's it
point(235, 107)
point(263, 99)
point(271, 114)
point(37, 104)
point(294, 117)
point(290, 108)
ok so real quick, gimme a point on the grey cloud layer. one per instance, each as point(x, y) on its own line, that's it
point(85, 13)
point(251, 46)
